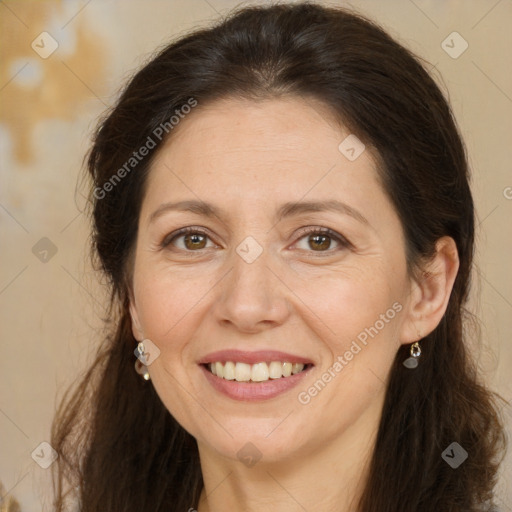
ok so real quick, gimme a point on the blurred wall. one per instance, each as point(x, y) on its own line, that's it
point(62, 63)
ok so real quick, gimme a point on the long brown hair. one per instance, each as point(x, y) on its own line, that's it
point(120, 450)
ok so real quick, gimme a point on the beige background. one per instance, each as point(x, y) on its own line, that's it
point(50, 310)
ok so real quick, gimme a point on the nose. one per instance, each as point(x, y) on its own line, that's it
point(253, 297)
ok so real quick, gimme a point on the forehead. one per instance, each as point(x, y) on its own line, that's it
point(241, 152)
point(289, 128)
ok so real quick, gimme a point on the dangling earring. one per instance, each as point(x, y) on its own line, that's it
point(412, 360)
point(140, 367)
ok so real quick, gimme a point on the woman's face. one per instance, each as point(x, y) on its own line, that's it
point(255, 286)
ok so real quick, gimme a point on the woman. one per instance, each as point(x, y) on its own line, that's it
point(281, 204)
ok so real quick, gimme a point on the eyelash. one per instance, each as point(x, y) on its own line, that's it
point(344, 243)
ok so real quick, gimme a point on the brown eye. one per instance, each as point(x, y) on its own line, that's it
point(320, 240)
point(193, 239)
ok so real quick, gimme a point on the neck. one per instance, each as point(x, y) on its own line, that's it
point(330, 476)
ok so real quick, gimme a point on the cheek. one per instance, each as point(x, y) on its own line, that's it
point(357, 320)
point(349, 303)
point(337, 304)
point(165, 301)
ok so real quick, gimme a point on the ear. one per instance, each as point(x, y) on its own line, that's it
point(136, 326)
point(431, 292)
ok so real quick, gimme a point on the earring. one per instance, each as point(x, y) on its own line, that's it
point(412, 361)
point(140, 367)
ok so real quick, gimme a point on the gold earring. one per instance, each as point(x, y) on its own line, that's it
point(412, 361)
point(140, 367)
point(415, 349)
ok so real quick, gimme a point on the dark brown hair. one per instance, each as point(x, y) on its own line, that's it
point(120, 449)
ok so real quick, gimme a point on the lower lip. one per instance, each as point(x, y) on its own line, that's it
point(253, 391)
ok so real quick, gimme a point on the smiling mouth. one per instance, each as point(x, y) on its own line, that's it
point(259, 372)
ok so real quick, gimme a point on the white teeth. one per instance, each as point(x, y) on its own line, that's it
point(274, 370)
point(297, 368)
point(259, 372)
point(242, 372)
point(229, 371)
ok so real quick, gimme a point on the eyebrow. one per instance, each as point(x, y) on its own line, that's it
point(284, 211)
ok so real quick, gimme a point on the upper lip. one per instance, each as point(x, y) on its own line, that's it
point(258, 356)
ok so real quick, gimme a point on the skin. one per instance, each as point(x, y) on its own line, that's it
point(298, 296)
